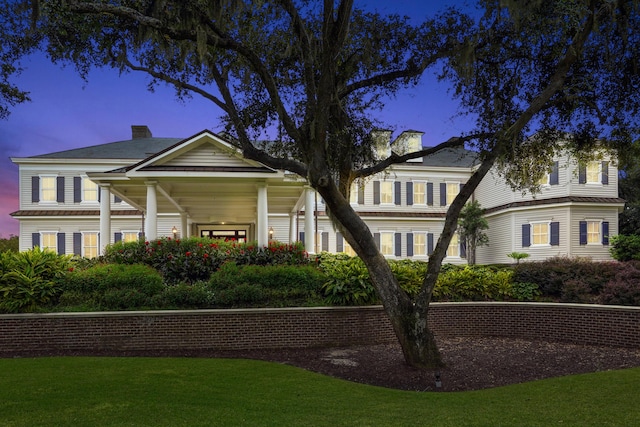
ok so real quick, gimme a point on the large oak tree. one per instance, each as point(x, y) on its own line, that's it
point(314, 70)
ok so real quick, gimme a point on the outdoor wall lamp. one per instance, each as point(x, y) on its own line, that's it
point(271, 232)
point(174, 230)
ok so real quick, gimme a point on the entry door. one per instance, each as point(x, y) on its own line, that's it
point(236, 235)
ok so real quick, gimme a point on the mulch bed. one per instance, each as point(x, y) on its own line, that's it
point(472, 363)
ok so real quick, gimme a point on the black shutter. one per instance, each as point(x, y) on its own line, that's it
point(35, 239)
point(398, 244)
point(397, 186)
point(77, 189)
point(35, 189)
point(582, 174)
point(376, 238)
point(429, 243)
point(77, 244)
point(302, 237)
point(463, 248)
point(605, 173)
point(117, 237)
point(605, 232)
point(339, 243)
point(430, 193)
point(526, 235)
point(410, 244)
point(583, 232)
point(61, 244)
point(325, 241)
point(554, 176)
point(376, 192)
point(60, 189)
point(409, 193)
point(443, 194)
point(555, 234)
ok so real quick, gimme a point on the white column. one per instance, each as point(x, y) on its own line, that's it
point(184, 226)
point(293, 227)
point(151, 221)
point(262, 226)
point(105, 217)
point(309, 221)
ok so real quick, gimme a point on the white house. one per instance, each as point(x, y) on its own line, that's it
point(202, 186)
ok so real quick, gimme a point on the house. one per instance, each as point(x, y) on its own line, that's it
point(202, 186)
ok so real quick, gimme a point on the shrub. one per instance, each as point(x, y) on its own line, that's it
point(348, 283)
point(241, 295)
point(577, 291)
point(31, 279)
point(625, 247)
point(474, 283)
point(198, 295)
point(624, 289)
point(524, 291)
point(410, 274)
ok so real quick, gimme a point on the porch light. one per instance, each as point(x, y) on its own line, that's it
point(174, 230)
point(271, 232)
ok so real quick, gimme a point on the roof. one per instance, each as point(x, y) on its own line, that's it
point(451, 157)
point(139, 148)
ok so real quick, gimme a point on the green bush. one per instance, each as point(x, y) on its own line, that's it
point(348, 283)
point(474, 283)
point(524, 291)
point(185, 296)
point(625, 247)
point(410, 274)
point(31, 279)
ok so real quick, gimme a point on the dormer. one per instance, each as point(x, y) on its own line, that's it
point(381, 143)
point(409, 141)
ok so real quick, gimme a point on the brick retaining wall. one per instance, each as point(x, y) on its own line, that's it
point(309, 327)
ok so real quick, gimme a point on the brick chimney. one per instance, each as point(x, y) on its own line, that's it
point(140, 131)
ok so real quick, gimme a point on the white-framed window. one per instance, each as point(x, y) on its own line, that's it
point(49, 240)
point(453, 188)
point(48, 188)
point(90, 244)
point(540, 233)
point(386, 192)
point(454, 246)
point(347, 249)
point(544, 180)
point(129, 236)
point(593, 232)
point(89, 190)
point(419, 244)
point(419, 193)
point(387, 243)
point(593, 170)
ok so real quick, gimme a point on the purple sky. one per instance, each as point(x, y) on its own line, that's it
point(66, 112)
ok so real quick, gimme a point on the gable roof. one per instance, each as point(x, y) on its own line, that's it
point(139, 148)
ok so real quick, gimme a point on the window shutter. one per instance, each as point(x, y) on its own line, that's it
point(526, 235)
point(582, 174)
point(117, 199)
point(398, 244)
point(463, 248)
point(376, 192)
point(302, 237)
point(325, 241)
point(117, 237)
point(339, 243)
point(61, 244)
point(60, 189)
point(99, 193)
point(443, 194)
point(605, 173)
point(605, 232)
point(409, 244)
point(396, 190)
point(430, 193)
point(429, 243)
point(376, 238)
point(77, 244)
point(555, 234)
point(35, 189)
point(77, 189)
point(35, 239)
point(554, 176)
point(583, 232)
point(409, 193)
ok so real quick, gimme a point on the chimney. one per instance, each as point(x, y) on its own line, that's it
point(140, 131)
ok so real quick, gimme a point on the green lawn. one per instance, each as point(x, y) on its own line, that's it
point(207, 392)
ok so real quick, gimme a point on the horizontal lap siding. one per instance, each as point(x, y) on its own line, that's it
point(596, 252)
point(501, 241)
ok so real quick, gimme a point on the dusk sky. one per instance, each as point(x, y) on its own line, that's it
point(66, 112)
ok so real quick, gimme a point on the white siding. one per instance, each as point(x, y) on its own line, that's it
point(501, 241)
point(206, 155)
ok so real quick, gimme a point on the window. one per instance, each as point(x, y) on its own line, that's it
point(453, 188)
point(49, 240)
point(90, 245)
point(454, 246)
point(540, 233)
point(347, 249)
point(419, 193)
point(544, 180)
point(353, 194)
point(48, 190)
point(129, 236)
point(593, 172)
point(386, 243)
point(386, 192)
point(89, 190)
point(419, 244)
point(594, 232)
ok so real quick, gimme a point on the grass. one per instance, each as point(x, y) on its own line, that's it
point(88, 391)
